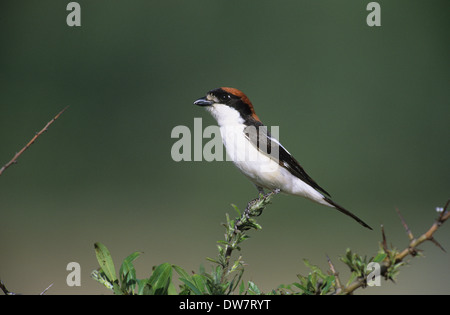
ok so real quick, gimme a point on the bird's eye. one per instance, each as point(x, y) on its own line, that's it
point(225, 97)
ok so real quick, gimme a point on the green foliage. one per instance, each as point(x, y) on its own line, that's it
point(316, 283)
point(159, 282)
point(224, 278)
point(357, 265)
point(226, 274)
point(391, 267)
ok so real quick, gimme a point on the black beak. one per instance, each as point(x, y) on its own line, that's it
point(203, 102)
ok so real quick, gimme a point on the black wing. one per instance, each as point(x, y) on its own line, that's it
point(259, 136)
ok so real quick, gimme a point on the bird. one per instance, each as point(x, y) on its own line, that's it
point(258, 155)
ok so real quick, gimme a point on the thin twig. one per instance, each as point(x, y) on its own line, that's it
point(7, 292)
point(18, 154)
point(336, 276)
point(4, 289)
point(46, 289)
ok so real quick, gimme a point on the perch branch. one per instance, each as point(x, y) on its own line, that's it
point(235, 231)
point(240, 225)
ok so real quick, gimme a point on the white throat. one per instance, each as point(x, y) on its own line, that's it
point(225, 115)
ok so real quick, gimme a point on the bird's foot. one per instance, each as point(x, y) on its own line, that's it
point(260, 200)
point(276, 191)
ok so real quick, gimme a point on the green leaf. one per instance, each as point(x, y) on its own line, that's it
point(352, 278)
point(241, 288)
point(181, 272)
point(253, 289)
point(330, 280)
point(315, 269)
point(235, 282)
point(117, 290)
point(301, 287)
point(236, 209)
point(161, 279)
point(171, 290)
point(191, 286)
point(127, 264)
point(127, 273)
point(142, 286)
point(212, 260)
point(199, 282)
point(105, 261)
point(380, 257)
point(236, 265)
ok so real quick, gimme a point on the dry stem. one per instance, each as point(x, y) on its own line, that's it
point(18, 154)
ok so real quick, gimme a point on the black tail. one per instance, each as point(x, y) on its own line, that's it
point(344, 211)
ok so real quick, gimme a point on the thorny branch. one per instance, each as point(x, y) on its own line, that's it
point(410, 250)
point(427, 236)
point(37, 135)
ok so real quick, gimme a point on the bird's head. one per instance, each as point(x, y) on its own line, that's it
point(228, 106)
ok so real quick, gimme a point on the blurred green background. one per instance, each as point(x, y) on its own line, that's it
point(364, 109)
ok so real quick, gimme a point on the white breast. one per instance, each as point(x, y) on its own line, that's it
point(258, 167)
